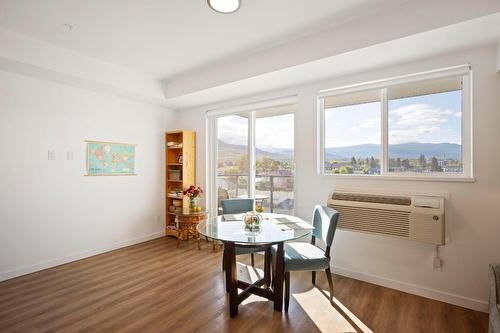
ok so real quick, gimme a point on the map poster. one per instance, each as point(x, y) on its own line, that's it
point(110, 158)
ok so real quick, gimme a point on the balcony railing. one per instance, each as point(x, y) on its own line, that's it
point(274, 191)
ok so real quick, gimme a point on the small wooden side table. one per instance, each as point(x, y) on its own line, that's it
point(187, 222)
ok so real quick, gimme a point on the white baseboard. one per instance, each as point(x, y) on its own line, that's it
point(76, 256)
point(466, 302)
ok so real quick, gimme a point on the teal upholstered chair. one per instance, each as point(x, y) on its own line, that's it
point(238, 206)
point(301, 256)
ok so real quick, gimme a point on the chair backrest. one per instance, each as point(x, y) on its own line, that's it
point(325, 223)
point(237, 206)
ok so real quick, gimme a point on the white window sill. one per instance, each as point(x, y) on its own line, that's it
point(427, 178)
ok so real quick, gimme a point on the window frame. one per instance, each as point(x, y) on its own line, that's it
point(211, 143)
point(466, 124)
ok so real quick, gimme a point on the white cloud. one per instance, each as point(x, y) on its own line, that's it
point(233, 130)
point(370, 123)
point(410, 135)
point(419, 115)
point(458, 114)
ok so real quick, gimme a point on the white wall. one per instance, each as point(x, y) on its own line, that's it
point(49, 212)
point(472, 219)
point(498, 57)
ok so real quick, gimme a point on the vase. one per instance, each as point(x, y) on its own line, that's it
point(193, 203)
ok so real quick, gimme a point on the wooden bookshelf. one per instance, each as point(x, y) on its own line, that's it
point(186, 171)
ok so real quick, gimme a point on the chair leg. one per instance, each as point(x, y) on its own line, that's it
point(272, 271)
point(253, 260)
point(313, 277)
point(223, 262)
point(330, 282)
point(287, 290)
point(267, 267)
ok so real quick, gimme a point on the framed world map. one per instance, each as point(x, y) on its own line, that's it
point(110, 159)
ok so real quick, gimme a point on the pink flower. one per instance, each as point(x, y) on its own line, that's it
point(193, 191)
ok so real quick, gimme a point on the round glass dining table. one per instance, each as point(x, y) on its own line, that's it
point(274, 229)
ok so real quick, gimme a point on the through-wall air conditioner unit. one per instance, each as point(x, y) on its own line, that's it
point(418, 218)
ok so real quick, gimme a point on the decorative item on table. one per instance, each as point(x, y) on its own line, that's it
point(193, 192)
point(258, 207)
point(252, 221)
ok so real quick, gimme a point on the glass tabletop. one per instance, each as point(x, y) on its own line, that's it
point(273, 228)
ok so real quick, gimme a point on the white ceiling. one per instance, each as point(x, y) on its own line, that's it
point(179, 53)
point(164, 38)
point(461, 36)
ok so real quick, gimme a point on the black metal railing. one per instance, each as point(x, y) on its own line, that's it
point(276, 185)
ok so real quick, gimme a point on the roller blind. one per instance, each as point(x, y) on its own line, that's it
point(362, 97)
point(275, 111)
point(426, 87)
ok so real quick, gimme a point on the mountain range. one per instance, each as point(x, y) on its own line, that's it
point(411, 150)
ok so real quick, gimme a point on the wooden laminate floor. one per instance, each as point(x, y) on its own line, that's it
point(155, 287)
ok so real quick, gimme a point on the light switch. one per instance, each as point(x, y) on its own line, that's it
point(69, 155)
point(51, 155)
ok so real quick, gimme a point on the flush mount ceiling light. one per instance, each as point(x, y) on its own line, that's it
point(224, 6)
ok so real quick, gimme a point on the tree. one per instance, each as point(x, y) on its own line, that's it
point(364, 169)
point(435, 166)
point(367, 161)
point(267, 165)
point(345, 169)
point(353, 161)
point(233, 170)
point(422, 161)
point(373, 163)
point(242, 163)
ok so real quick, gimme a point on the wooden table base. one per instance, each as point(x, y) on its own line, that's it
point(274, 293)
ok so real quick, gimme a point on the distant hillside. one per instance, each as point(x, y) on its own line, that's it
point(403, 150)
point(230, 151)
point(410, 150)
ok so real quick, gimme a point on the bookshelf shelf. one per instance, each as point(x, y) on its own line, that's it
point(184, 172)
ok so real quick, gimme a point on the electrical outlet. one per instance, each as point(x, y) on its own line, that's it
point(438, 264)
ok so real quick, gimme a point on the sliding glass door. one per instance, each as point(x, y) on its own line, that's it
point(274, 161)
point(232, 157)
point(254, 157)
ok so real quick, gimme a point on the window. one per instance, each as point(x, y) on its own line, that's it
point(254, 157)
point(352, 133)
point(416, 126)
point(232, 156)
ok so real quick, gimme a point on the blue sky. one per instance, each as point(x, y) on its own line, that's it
point(270, 132)
point(432, 118)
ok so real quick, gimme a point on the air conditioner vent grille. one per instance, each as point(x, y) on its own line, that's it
point(372, 198)
point(378, 221)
